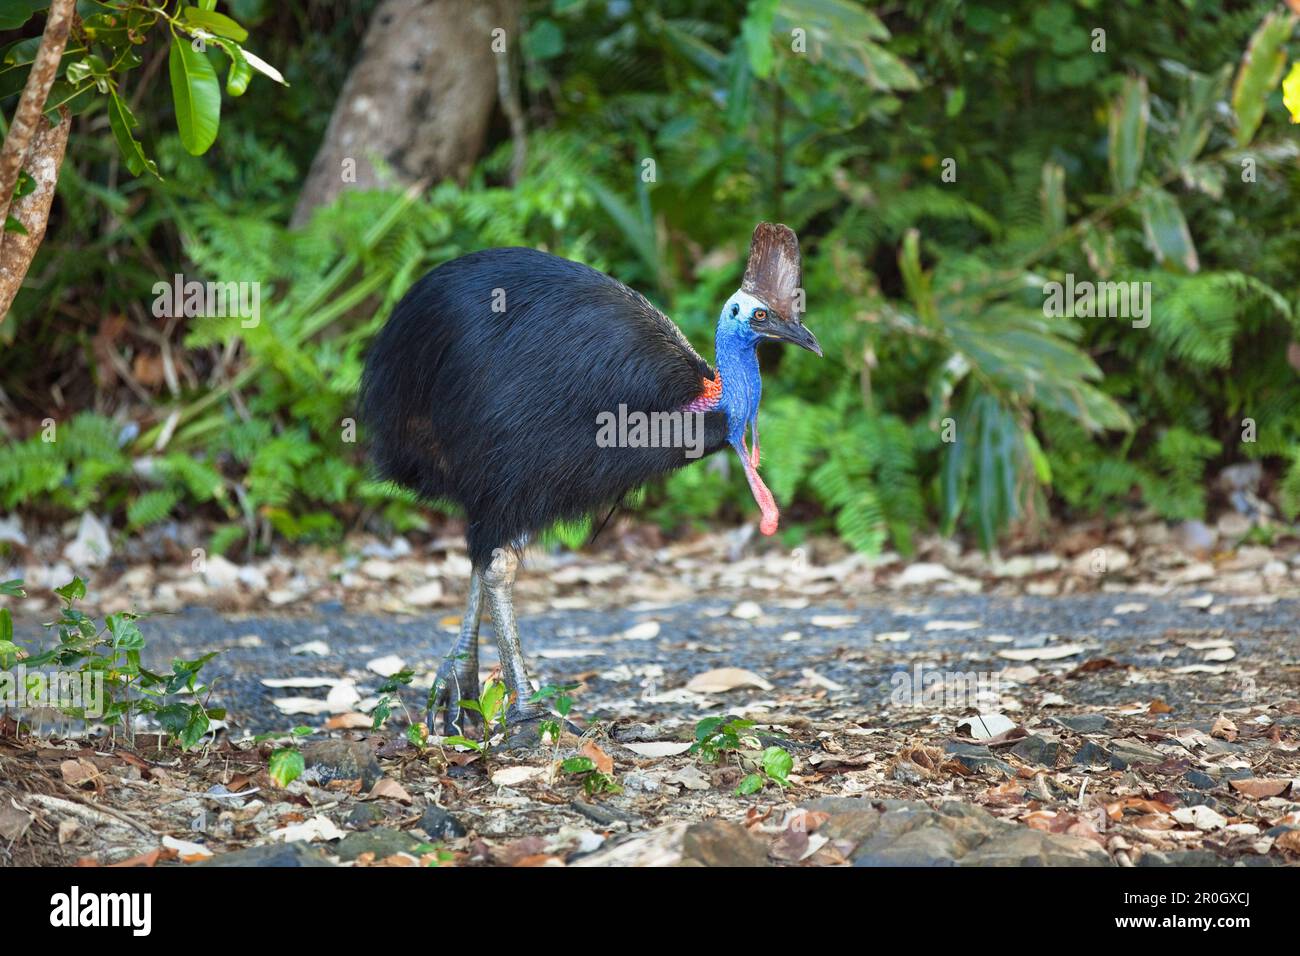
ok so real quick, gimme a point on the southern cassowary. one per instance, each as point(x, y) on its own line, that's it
point(487, 385)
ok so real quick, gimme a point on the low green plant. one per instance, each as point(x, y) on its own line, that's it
point(719, 737)
point(178, 701)
point(593, 781)
point(491, 708)
point(562, 704)
point(774, 766)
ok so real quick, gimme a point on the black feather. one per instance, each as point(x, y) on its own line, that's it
point(497, 410)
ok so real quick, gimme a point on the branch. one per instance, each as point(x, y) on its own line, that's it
point(44, 158)
point(32, 103)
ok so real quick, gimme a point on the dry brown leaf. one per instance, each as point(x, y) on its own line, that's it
point(1259, 789)
point(1224, 729)
point(603, 761)
point(390, 789)
point(349, 721)
point(79, 773)
point(723, 679)
point(1158, 706)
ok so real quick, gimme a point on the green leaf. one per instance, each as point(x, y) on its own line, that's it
point(1053, 196)
point(777, 764)
point(121, 121)
point(14, 13)
point(578, 765)
point(286, 766)
point(1166, 231)
point(756, 33)
point(1196, 114)
point(214, 22)
point(844, 35)
point(241, 74)
point(1130, 115)
point(13, 588)
point(74, 590)
point(196, 95)
point(13, 225)
point(1261, 69)
point(458, 741)
point(750, 785)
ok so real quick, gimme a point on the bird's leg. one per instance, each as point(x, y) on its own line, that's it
point(457, 677)
point(499, 584)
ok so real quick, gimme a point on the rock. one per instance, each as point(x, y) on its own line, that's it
point(920, 574)
point(1041, 749)
point(1026, 847)
point(1234, 525)
point(721, 843)
point(852, 819)
point(91, 547)
point(438, 824)
point(1195, 537)
point(271, 854)
point(1083, 723)
point(220, 574)
point(979, 759)
point(1092, 754)
point(1126, 753)
point(365, 815)
point(1248, 558)
point(1180, 858)
point(382, 843)
point(425, 595)
point(910, 833)
point(1200, 780)
point(11, 531)
point(343, 760)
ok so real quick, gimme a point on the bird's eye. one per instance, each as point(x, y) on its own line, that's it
point(735, 310)
point(760, 314)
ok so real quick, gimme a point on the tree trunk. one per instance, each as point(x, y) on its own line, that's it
point(418, 100)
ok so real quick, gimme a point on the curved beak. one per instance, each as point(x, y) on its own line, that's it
point(796, 333)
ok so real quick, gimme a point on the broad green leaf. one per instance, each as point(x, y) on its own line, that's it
point(196, 95)
point(74, 590)
point(241, 73)
point(751, 784)
point(1166, 231)
point(844, 35)
point(1196, 114)
point(777, 764)
point(1130, 115)
point(12, 588)
point(14, 13)
point(756, 32)
point(286, 766)
point(261, 66)
point(214, 22)
point(1261, 68)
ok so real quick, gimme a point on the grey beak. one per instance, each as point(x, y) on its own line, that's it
point(796, 333)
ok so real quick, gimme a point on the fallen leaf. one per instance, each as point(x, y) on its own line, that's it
point(659, 748)
point(723, 679)
point(389, 789)
point(1158, 706)
point(603, 761)
point(513, 776)
point(1260, 789)
point(79, 773)
point(1049, 652)
point(1224, 729)
point(986, 726)
point(317, 828)
point(1201, 817)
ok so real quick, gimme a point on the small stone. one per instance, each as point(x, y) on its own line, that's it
point(1194, 537)
point(382, 843)
point(220, 574)
point(1126, 753)
point(1026, 847)
point(425, 595)
point(365, 815)
point(1083, 723)
point(1200, 780)
point(1092, 754)
point(920, 574)
point(721, 843)
point(91, 547)
point(1041, 749)
point(690, 778)
point(979, 759)
point(438, 824)
point(343, 760)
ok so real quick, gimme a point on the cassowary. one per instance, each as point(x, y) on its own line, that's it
point(486, 387)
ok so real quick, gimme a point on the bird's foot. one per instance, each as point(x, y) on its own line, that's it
point(529, 727)
point(454, 682)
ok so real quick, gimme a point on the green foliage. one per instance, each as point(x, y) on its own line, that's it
point(942, 162)
point(104, 661)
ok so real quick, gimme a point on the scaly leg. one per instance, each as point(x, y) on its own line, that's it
point(457, 677)
point(499, 583)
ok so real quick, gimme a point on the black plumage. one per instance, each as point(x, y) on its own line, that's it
point(485, 386)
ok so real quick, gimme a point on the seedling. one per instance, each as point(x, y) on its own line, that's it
point(491, 708)
point(593, 780)
point(774, 767)
point(563, 705)
point(718, 736)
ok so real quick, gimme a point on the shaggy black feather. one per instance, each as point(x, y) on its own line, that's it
point(497, 410)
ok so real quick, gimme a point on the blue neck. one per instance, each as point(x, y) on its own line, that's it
point(742, 387)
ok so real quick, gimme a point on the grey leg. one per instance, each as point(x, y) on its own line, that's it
point(457, 677)
point(499, 583)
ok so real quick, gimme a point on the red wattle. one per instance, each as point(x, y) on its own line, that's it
point(766, 503)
